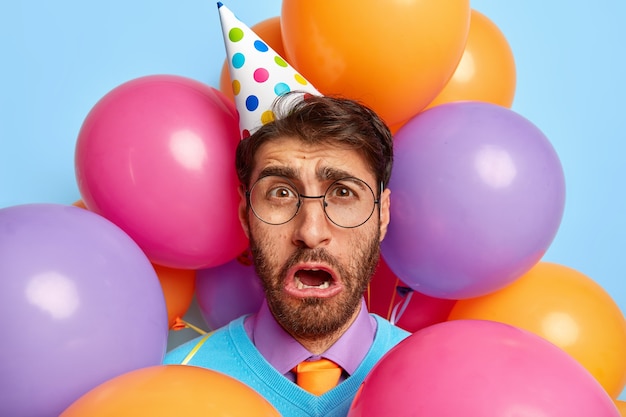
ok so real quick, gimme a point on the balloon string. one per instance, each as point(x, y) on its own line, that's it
point(180, 324)
point(369, 297)
point(393, 298)
point(402, 305)
point(196, 348)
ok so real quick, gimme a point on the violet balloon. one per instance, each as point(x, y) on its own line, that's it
point(477, 368)
point(155, 156)
point(80, 304)
point(228, 291)
point(478, 194)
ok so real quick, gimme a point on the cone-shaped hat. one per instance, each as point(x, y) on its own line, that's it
point(257, 72)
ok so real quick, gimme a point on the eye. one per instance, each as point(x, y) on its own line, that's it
point(345, 191)
point(348, 191)
point(341, 191)
point(281, 192)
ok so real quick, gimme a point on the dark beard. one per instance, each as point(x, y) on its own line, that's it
point(314, 317)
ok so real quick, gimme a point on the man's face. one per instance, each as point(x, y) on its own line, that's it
point(314, 272)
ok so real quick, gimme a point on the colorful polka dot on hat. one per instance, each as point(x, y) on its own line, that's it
point(258, 74)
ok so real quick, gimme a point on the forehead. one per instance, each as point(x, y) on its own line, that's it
point(300, 160)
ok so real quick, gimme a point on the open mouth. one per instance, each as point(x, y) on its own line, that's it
point(312, 279)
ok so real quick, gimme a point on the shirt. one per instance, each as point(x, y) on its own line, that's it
point(230, 350)
point(283, 352)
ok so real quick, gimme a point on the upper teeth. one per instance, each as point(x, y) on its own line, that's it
point(301, 286)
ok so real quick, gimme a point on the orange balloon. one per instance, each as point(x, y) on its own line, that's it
point(171, 390)
point(394, 56)
point(568, 309)
point(486, 71)
point(178, 288)
point(269, 31)
point(621, 406)
point(79, 204)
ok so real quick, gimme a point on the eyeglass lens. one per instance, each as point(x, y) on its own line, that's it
point(348, 202)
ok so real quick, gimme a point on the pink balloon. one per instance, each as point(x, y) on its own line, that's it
point(228, 291)
point(156, 157)
point(478, 195)
point(477, 368)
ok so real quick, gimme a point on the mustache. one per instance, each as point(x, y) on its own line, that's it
point(320, 255)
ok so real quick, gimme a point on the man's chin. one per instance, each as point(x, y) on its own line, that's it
point(316, 317)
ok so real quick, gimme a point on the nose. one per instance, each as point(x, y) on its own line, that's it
point(312, 228)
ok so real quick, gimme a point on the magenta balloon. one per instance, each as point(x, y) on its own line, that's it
point(80, 304)
point(228, 291)
point(156, 157)
point(478, 194)
point(476, 368)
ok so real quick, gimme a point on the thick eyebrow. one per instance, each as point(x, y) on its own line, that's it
point(323, 173)
point(281, 171)
point(332, 174)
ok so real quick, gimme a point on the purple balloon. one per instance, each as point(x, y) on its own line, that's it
point(478, 194)
point(80, 304)
point(228, 291)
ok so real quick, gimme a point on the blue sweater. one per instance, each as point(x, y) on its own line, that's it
point(229, 350)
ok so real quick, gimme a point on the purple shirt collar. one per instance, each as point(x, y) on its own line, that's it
point(283, 352)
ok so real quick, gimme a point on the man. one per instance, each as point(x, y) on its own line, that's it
point(315, 209)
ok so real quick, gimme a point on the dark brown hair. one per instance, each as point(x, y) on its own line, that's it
point(318, 119)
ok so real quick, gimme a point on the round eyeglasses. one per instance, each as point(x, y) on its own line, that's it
point(348, 202)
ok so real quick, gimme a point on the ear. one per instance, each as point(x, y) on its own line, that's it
point(385, 201)
point(243, 211)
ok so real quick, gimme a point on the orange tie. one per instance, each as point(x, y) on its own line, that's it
point(318, 376)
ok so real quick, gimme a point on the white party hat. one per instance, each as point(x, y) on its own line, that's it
point(257, 72)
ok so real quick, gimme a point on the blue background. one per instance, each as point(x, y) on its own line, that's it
point(59, 58)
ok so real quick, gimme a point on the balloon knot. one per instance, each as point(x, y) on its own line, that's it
point(403, 291)
point(179, 324)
